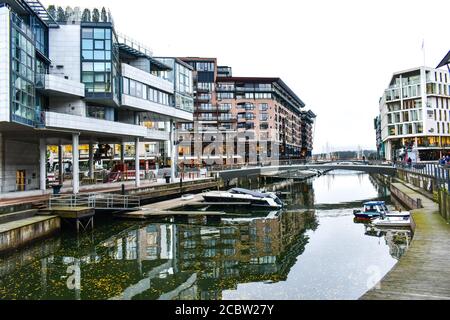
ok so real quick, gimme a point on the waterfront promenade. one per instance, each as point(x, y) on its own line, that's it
point(423, 273)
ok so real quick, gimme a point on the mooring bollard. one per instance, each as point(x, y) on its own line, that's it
point(419, 203)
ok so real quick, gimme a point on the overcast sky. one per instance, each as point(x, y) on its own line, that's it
point(338, 56)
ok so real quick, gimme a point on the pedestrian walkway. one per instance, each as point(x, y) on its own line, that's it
point(423, 273)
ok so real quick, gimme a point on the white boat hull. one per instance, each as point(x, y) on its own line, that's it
point(392, 222)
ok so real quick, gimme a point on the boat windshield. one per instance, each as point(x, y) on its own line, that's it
point(369, 208)
point(248, 192)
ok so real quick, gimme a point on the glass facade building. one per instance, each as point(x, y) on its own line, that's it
point(23, 59)
point(100, 62)
point(181, 77)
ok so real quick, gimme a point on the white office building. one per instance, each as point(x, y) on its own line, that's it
point(69, 79)
point(415, 115)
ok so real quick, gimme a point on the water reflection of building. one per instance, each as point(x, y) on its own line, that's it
point(380, 186)
point(241, 251)
point(166, 261)
point(398, 240)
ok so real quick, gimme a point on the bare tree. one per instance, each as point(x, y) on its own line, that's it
point(86, 16)
point(95, 15)
point(52, 11)
point(104, 15)
point(61, 15)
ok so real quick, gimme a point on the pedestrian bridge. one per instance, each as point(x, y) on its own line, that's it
point(361, 167)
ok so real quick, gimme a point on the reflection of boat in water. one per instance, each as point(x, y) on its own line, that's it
point(397, 239)
point(244, 197)
point(272, 215)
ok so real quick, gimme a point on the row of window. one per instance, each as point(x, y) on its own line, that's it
point(203, 66)
point(445, 128)
point(405, 116)
point(440, 115)
point(142, 91)
point(404, 129)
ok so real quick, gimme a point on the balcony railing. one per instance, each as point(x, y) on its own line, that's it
point(205, 118)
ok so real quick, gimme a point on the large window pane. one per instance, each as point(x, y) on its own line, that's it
point(88, 77)
point(88, 44)
point(88, 66)
point(99, 44)
point(99, 33)
point(99, 55)
point(99, 77)
point(99, 66)
point(88, 55)
point(87, 33)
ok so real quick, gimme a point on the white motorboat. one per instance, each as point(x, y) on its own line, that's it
point(396, 222)
point(376, 209)
point(397, 214)
point(239, 196)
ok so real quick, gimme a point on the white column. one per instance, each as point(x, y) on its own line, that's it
point(75, 163)
point(122, 152)
point(173, 149)
point(61, 164)
point(42, 165)
point(91, 160)
point(137, 164)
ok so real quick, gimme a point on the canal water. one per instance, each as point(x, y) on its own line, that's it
point(312, 250)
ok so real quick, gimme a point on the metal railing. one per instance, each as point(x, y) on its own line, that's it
point(108, 201)
point(441, 173)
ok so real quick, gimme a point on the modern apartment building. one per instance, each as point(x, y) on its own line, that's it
point(255, 117)
point(270, 110)
point(70, 79)
point(415, 115)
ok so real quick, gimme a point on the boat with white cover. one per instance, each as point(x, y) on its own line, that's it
point(397, 222)
point(239, 196)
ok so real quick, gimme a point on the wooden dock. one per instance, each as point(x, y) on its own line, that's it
point(72, 212)
point(166, 209)
point(423, 273)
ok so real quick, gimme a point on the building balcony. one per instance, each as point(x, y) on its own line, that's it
point(59, 86)
point(206, 118)
point(226, 118)
point(68, 122)
point(160, 111)
point(147, 78)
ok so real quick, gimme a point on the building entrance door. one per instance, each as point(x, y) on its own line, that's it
point(20, 180)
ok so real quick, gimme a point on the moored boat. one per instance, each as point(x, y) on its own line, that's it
point(396, 222)
point(372, 209)
point(244, 197)
point(377, 209)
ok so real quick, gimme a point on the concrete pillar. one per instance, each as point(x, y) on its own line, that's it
point(2, 167)
point(91, 160)
point(61, 164)
point(122, 153)
point(137, 163)
point(173, 154)
point(75, 163)
point(42, 165)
